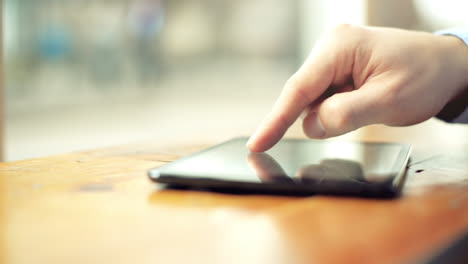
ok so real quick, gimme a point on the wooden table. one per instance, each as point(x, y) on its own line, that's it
point(99, 207)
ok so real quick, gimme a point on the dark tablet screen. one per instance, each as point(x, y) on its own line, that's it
point(293, 166)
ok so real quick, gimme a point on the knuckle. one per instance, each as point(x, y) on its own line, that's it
point(293, 82)
point(343, 118)
point(343, 28)
point(343, 36)
point(392, 98)
point(348, 33)
point(303, 94)
point(283, 122)
point(298, 88)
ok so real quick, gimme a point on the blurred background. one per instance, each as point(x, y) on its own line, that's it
point(86, 74)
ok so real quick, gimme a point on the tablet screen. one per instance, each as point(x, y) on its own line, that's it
point(314, 165)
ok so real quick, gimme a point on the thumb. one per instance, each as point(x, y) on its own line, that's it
point(343, 113)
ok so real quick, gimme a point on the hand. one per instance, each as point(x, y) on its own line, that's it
point(357, 76)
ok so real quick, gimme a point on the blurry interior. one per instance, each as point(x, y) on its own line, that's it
point(86, 74)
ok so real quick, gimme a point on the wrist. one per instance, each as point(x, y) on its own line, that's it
point(459, 53)
point(457, 50)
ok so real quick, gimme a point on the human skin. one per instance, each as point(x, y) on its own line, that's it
point(357, 76)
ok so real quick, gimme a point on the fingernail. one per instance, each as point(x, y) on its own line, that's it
point(315, 127)
point(249, 142)
point(255, 135)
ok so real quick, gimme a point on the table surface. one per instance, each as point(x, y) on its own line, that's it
point(99, 207)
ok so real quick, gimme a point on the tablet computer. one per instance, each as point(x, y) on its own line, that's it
point(293, 167)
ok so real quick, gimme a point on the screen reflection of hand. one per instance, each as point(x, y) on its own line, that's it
point(329, 170)
point(267, 168)
point(332, 170)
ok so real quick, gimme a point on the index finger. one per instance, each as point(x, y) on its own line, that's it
point(304, 87)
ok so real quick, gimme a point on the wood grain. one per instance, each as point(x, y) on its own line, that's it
point(99, 207)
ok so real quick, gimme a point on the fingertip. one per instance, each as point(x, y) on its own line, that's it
point(262, 145)
point(253, 146)
point(269, 132)
point(260, 141)
point(255, 142)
